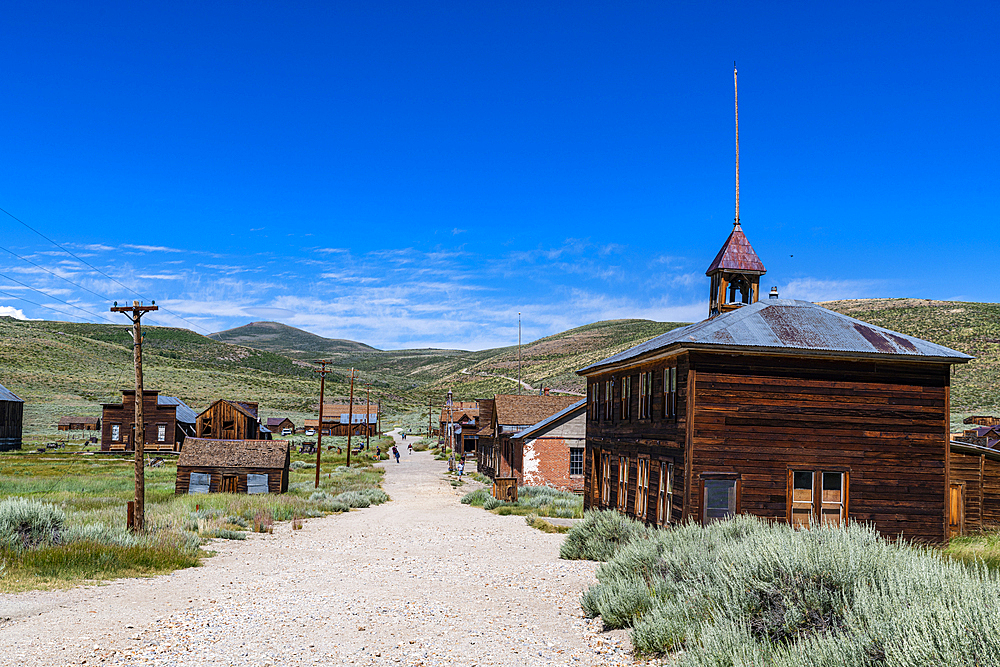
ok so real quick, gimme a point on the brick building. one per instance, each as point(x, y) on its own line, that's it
point(552, 451)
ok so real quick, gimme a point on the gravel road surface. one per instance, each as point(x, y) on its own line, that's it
point(421, 580)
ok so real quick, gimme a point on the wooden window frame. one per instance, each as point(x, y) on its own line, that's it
point(158, 427)
point(645, 394)
point(581, 453)
point(713, 476)
point(641, 504)
point(625, 399)
point(817, 492)
point(116, 433)
point(605, 478)
point(609, 391)
point(595, 403)
point(670, 393)
point(621, 501)
point(665, 492)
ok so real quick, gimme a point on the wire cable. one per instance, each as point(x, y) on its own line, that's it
point(25, 259)
point(83, 261)
point(71, 305)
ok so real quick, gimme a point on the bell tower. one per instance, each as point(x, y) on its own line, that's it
point(736, 271)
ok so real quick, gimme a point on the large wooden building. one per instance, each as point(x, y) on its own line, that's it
point(231, 420)
point(778, 408)
point(551, 452)
point(11, 420)
point(509, 414)
point(463, 418)
point(233, 466)
point(167, 422)
point(341, 419)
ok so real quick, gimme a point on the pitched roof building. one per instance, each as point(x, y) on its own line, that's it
point(233, 466)
point(11, 419)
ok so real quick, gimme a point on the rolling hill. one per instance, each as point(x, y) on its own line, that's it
point(288, 341)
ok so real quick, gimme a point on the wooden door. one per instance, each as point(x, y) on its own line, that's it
point(956, 510)
point(228, 484)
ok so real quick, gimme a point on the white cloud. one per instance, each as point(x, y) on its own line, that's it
point(815, 289)
point(11, 311)
point(151, 248)
point(162, 276)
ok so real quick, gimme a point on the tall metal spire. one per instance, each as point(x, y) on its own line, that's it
point(736, 97)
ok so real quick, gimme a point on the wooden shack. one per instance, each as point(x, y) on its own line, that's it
point(166, 419)
point(974, 489)
point(233, 466)
point(778, 408)
point(11, 420)
point(551, 452)
point(229, 420)
point(487, 458)
point(279, 424)
point(78, 423)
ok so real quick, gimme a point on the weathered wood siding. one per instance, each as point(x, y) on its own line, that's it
point(277, 479)
point(11, 425)
point(884, 423)
point(991, 494)
point(224, 421)
point(154, 415)
point(968, 470)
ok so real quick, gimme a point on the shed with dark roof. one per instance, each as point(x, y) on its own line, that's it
point(11, 419)
point(233, 466)
point(778, 408)
point(79, 423)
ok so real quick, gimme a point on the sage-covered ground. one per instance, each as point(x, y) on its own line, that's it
point(87, 492)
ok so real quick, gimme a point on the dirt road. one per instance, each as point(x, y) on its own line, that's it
point(421, 580)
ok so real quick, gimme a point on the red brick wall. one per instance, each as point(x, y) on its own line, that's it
point(545, 461)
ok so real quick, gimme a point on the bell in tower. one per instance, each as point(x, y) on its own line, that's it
point(735, 275)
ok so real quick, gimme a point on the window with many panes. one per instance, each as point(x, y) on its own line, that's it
point(605, 478)
point(670, 393)
point(595, 404)
point(609, 388)
point(817, 496)
point(720, 498)
point(664, 505)
point(622, 482)
point(641, 488)
point(161, 432)
point(645, 394)
point(626, 397)
point(576, 460)
point(116, 432)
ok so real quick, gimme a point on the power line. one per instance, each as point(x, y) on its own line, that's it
point(83, 261)
point(35, 303)
point(71, 305)
point(25, 259)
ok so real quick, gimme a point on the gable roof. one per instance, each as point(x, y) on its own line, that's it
point(525, 410)
point(7, 395)
point(572, 411)
point(205, 452)
point(788, 326)
point(470, 414)
point(737, 254)
point(277, 421)
point(184, 413)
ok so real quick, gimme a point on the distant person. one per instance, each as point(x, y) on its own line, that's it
point(404, 436)
point(378, 453)
point(461, 467)
point(410, 447)
point(395, 452)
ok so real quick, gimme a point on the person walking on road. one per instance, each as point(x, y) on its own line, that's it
point(410, 446)
point(395, 452)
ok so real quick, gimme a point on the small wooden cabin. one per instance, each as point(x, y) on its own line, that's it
point(974, 489)
point(279, 424)
point(510, 414)
point(778, 408)
point(166, 419)
point(11, 420)
point(229, 420)
point(233, 466)
point(464, 417)
point(78, 423)
point(552, 451)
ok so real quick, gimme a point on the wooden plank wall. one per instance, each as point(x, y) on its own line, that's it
point(885, 423)
point(224, 421)
point(991, 494)
point(968, 468)
point(11, 424)
point(153, 415)
point(277, 479)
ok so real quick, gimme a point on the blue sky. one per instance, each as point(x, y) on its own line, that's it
point(415, 174)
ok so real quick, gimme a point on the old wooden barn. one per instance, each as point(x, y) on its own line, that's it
point(233, 466)
point(231, 420)
point(167, 422)
point(778, 408)
point(11, 420)
point(79, 423)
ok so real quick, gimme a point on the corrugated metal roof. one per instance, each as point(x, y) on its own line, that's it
point(184, 413)
point(7, 395)
point(579, 405)
point(737, 254)
point(347, 418)
point(776, 324)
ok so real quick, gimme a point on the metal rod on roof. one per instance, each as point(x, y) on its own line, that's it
point(736, 97)
point(519, 353)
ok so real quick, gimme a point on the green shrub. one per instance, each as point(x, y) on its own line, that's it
point(225, 534)
point(28, 524)
point(476, 498)
point(491, 503)
point(600, 535)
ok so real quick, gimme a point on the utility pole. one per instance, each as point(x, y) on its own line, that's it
point(135, 313)
point(519, 354)
point(350, 420)
point(368, 417)
point(430, 409)
point(319, 431)
point(451, 426)
point(378, 418)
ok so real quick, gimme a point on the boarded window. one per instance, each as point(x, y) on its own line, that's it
point(116, 432)
point(200, 482)
point(576, 460)
point(719, 500)
point(802, 498)
point(161, 432)
point(605, 478)
point(832, 503)
point(256, 483)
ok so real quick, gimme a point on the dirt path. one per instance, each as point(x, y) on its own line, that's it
point(421, 580)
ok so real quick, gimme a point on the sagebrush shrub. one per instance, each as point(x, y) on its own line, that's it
point(600, 535)
point(27, 524)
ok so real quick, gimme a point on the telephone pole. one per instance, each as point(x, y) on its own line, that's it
point(350, 420)
point(135, 313)
point(430, 408)
point(368, 417)
point(319, 431)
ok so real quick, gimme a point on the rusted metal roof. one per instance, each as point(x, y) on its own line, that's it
point(7, 395)
point(522, 411)
point(737, 255)
point(777, 325)
point(579, 408)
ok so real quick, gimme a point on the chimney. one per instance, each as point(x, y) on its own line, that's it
point(774, 293)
